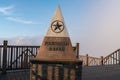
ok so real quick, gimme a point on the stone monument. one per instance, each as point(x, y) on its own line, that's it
point(55, 58)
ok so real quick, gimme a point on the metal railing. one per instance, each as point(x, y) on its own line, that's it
point(18, 57)
point(113, 58)
point(89, 61)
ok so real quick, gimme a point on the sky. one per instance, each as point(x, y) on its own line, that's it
point(93, 23)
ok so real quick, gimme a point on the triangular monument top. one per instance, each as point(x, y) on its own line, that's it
point(57, 20)
point(56, 45)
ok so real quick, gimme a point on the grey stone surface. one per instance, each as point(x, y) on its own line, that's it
point(15, 75)
point(108, 72)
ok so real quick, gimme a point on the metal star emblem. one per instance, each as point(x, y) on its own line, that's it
point(57, 26)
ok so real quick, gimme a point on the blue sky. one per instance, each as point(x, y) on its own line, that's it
point(93, 23)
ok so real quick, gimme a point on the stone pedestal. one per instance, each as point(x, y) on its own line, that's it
point(56, 60)
point(52, 70)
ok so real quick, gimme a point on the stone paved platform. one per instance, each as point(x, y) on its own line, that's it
point(15, 75)
point(110, 72)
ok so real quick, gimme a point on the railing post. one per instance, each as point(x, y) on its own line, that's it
point(101, 60)
point(87, 58)
point(119, 56)
point(77, 50)
point(4, 56)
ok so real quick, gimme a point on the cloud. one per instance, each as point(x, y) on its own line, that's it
point(23, 40)
point(21, 20)
point(6, 10)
